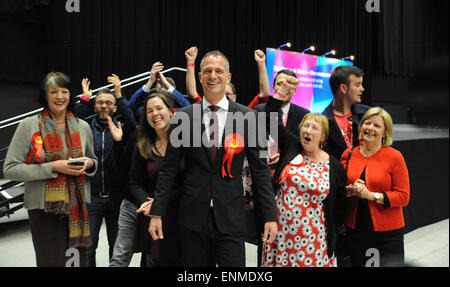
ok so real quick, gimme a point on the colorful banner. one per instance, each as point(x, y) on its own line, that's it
point(313, 92)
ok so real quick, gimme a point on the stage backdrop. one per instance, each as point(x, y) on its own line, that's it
point(314, 92)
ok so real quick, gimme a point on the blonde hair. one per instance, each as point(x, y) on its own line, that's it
point(388, 124)
point(321, 120)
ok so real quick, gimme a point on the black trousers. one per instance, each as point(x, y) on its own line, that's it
point(389, 245)
point(210, 247)
point(50, 234)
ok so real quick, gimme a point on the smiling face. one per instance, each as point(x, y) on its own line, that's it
point(214, 76)
point(158, 114)
point(373, 130)
point(104, 106)
point(57, 99)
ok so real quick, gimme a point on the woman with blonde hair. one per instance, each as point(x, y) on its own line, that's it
point(378, 189)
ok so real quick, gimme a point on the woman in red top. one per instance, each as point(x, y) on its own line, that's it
point(378, 190)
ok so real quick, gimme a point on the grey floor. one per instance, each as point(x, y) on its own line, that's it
point(424, 247)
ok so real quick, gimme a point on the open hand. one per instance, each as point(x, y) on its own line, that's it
point(116, 132)
point(85, 83)
point(114, 79)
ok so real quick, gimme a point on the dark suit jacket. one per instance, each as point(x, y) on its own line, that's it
point(204, 181)
point(334, 204)
point(336, 144)
point(295, 117)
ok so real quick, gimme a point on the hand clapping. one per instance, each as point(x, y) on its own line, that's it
point(116, 132)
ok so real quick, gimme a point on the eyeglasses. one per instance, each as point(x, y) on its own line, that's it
point(108, 103)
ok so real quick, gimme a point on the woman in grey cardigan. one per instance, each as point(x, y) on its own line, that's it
point(57, 187)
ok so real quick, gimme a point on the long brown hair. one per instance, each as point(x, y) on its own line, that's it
point(146, 137)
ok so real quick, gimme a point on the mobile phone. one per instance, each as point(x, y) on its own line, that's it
point(77, 161)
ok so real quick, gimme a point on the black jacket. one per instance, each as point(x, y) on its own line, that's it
point(295, 117)
point(203, 178)
point(336, 144)
point(334, 204)
point(109, 176)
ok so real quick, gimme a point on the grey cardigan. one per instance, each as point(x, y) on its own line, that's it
point(34, 175)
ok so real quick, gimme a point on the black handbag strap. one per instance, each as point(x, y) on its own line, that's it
point(348, 160)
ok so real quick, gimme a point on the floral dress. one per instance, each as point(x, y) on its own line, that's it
point(301, 240)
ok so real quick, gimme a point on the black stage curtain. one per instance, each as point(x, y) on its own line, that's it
point(427, 161)
point(126, 37)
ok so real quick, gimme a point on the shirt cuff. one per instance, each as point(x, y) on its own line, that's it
point(145, 89)
point(386, 203)
point(171, 89)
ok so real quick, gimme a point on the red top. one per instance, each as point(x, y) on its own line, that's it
point(198, 99)
point(346, 128)
point(386, 172)
point(257, 100)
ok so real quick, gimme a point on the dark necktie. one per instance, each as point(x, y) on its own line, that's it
point(214, 130)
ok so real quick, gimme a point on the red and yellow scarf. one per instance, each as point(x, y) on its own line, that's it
point(63, 194)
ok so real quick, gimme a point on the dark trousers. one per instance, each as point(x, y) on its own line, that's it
point(389, 245)
point(50, 234)
point(99, 208)
point(210, 247)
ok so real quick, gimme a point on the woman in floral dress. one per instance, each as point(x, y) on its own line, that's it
point(310, 197)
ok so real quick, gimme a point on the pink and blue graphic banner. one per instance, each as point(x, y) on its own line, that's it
point(313, 92)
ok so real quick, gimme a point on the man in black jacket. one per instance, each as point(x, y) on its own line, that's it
point(109, 182)
point(211, 212)
point(345, 111)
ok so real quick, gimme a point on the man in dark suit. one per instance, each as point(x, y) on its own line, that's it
point(345, 111)
point(212, 215)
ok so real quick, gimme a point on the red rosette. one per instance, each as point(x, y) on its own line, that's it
point(37, 144)
point(233, 144)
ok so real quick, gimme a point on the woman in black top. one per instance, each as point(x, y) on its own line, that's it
point(147, 157)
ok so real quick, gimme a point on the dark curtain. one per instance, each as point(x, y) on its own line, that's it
point(126, 36)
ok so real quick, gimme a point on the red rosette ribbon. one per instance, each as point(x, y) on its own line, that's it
point(37, 143)
point(233, 144)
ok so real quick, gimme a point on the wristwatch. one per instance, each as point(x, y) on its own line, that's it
point(376, 196)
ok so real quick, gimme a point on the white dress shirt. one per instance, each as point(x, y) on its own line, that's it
point(221, 115)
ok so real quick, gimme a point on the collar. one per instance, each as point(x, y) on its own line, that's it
point(222, 104)
point(286, 108)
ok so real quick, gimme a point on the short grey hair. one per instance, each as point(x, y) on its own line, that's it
point(216, 53)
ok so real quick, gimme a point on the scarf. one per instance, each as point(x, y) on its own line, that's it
point(64, 194)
